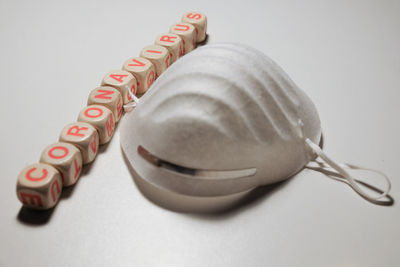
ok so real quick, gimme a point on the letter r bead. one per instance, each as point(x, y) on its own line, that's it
point(84, 136)
point(39, 186)
point(173, 43)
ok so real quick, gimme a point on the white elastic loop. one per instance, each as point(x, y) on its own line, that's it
point(340, 168)
point(129, 107)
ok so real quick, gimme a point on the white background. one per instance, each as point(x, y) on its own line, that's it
point(343, 54)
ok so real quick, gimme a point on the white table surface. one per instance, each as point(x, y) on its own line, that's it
point(344, 54)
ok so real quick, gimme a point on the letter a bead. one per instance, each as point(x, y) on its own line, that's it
point(199, 21)
point(39, 186)
point(84, 136)
point(122, 81)
point(100, 118)
point(66, 158)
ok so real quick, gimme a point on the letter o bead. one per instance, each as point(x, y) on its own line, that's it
point(66, 158)
point(187, 32)
point(122, 81)
point(109, 97)
point(173, 43)
point(144, 72)
point(199, 21)
point(100, 118)
point(84, 136)
point(39, 186)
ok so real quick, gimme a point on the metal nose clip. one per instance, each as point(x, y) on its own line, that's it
point(195, 173)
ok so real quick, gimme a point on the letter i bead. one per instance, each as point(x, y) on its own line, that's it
point(158, 55)
point(84, 136)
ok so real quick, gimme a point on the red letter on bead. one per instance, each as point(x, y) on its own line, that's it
point(29, 176)
point(110, 125)
point(118, 77)
point(64, 149)
point(93, 145)
point(133, 89)
point(138, 63)
point(33, 199)
point(180, 27)
point(77, 168)
point(167, 60)
point(104, 94)
point(119, 107)
point(150, 78)
point(154, 51)
point(99, 112)
point(195, 16)
point(77, 130)
point(55, 186)
point(166, 38)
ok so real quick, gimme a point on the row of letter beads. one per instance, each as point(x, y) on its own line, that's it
point(39, 185)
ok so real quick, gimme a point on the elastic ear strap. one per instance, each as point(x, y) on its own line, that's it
point(129, 107)
point(351, 180)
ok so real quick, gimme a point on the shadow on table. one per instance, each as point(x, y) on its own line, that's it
point(34, 217)
point(220, 206)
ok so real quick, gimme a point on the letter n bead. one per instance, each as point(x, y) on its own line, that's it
point(39, 186)
point(109, 97)
point(100, 118)
point(66, 158)
point(84, 136)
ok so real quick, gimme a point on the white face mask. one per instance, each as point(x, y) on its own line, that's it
point(222, 120)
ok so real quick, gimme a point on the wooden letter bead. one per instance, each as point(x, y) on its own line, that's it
point(158, 55)
point(66, 158)
point(143, 70)
point(173, 43)
point(199, 21)
point(39, 186)
point(187, 32)
point(84, 136)
point(122, 81)
point(100, 118)
point(109, 97)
